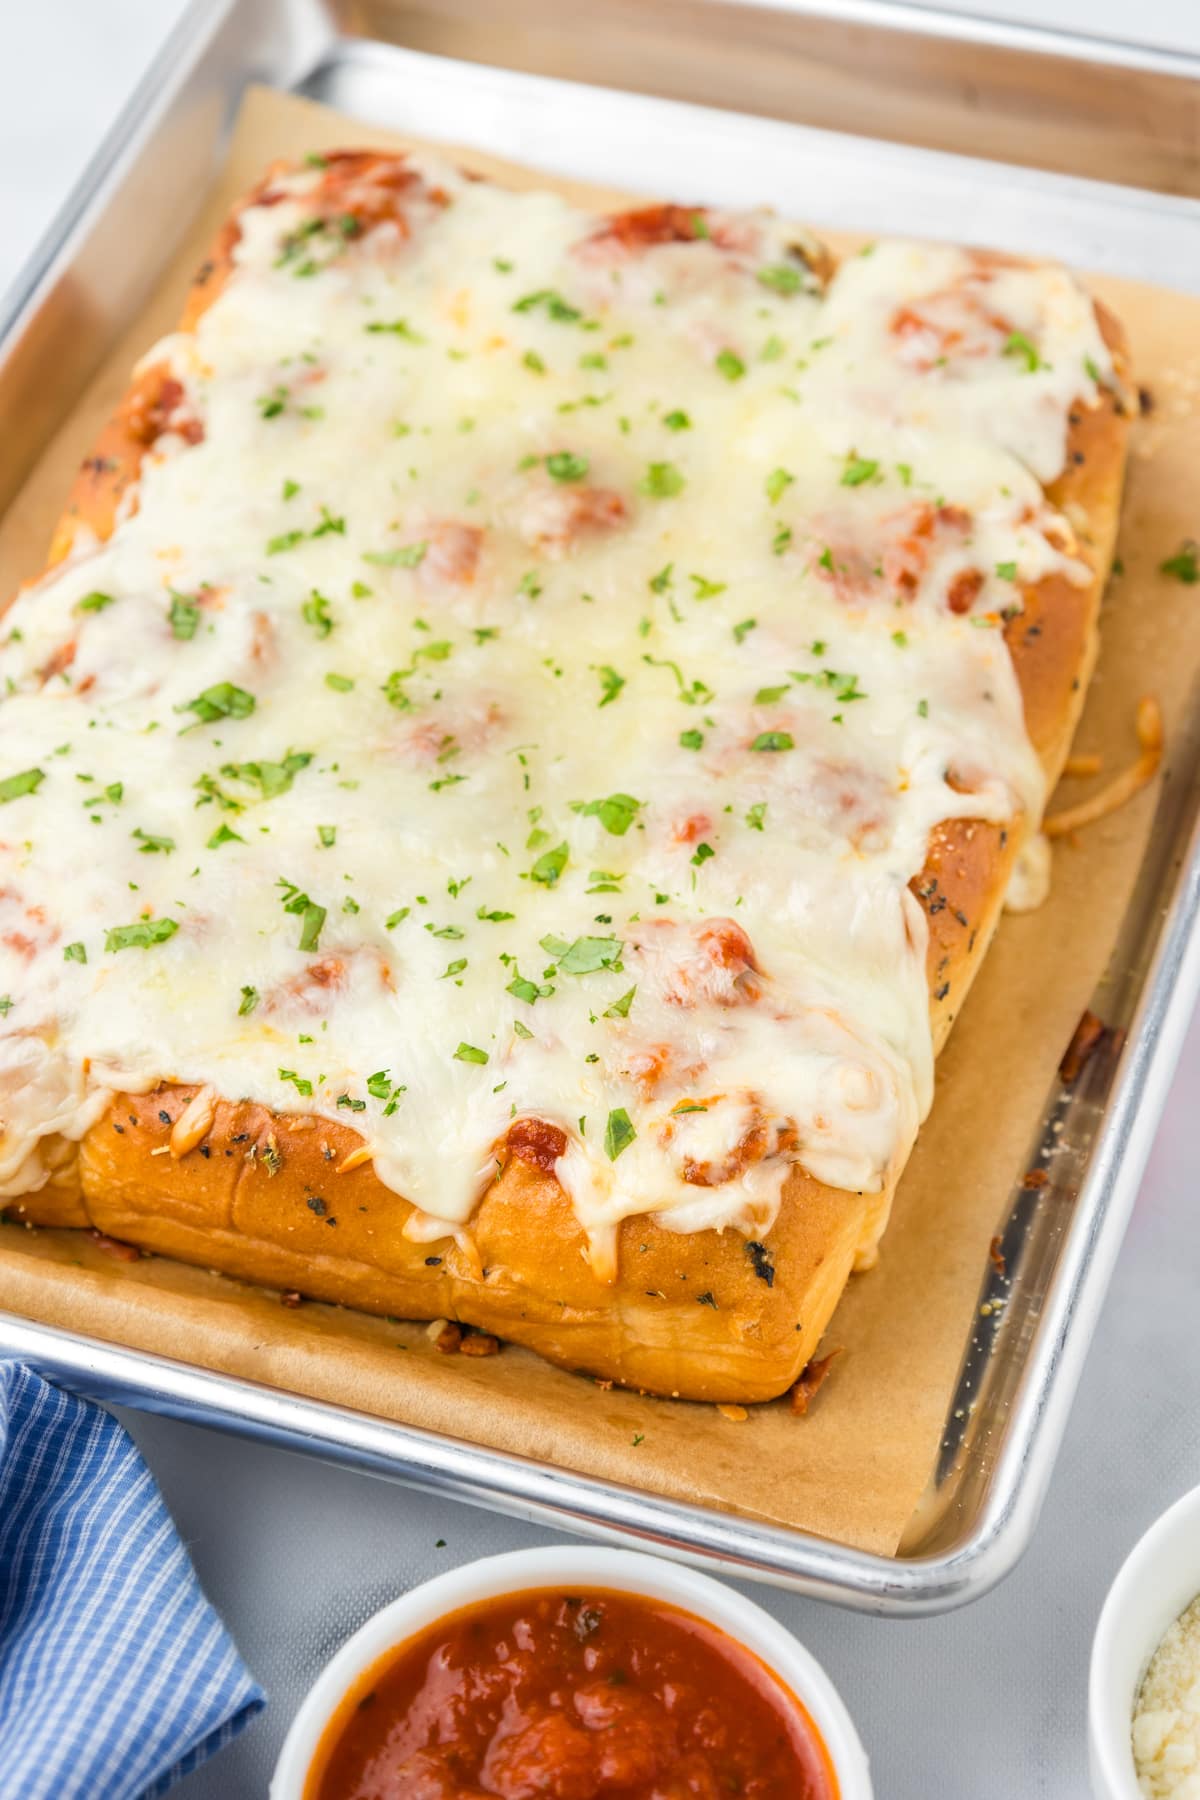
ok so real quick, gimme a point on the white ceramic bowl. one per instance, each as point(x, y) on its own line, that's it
point(575, 1567)
point(1160, 1576)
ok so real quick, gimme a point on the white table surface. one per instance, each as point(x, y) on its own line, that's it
point(985, 1704)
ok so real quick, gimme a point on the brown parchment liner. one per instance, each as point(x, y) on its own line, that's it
point(854, 1469)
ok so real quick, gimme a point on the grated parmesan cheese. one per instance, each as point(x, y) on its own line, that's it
point(1166, 1714)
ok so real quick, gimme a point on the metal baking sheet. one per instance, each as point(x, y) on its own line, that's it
point(970, 86)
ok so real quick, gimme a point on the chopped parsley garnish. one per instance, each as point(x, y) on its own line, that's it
point(703, 853)
point(325, 235)
point(380, 1086)
point(620, 1008)
point(1007, 571)
point(743, 629)
point(922, 709)
point(287, 540)
point(396, 918)
point(395, 328)
point(756, 815)
point(290, 489)
point(552, 303)
point(149, 844)
point(315, 612)
point(469, 1053)
point(616, 813)
point(521, 988)
point(183, 616)
point(75, 953)
point(618, 1133)
point(586, 955)
point(521, 1030)
point(301, 1084)
point(731, 366)
point(662, 481)
point(775, 484)
point(773, 740)
point(115, 791)
point(248, 1001)
point(6, 1005)
point(533, 361)
point(311, 916)
point(549, 866)
point(1184, 566)
point(272, 778)
point(705, 589)
point(694, 693)
point(857, 470)
point(677, 421)
point(95, 602)
point(407, 556)
point(224, 834)
point(1091, 368)
point(845, 688)
point(768, 696)
point(141, 934)
point(394, 687)
point(663, 581)
point(341, 684)
point(781, 278)
point(493, 916)
point(327, 836)
point(1019, 345)
point(611, 684)
point(563, 465)
point(224, 701)
point(13, 787)
point(781, 540)
point(691, 740)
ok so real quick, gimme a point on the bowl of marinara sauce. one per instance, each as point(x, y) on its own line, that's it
point(572, 1674)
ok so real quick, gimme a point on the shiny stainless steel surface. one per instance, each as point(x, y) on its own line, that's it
point(102, 255)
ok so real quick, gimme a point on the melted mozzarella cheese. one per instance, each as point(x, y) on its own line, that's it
point(1029, 884)
point(532, 698)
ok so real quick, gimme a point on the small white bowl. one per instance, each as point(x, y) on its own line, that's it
point(576, 1567)
point(1159, 1578)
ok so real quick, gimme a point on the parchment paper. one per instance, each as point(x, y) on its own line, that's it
point(853, 1470)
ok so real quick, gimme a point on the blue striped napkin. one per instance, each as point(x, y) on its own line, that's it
point(116, 1676)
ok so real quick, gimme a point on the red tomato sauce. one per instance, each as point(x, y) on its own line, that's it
point(551, 1696)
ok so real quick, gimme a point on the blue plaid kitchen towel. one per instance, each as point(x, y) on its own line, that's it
point(116, 1676)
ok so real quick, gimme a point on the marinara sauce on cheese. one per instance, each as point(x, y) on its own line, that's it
point(546, 1695)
